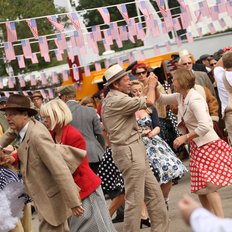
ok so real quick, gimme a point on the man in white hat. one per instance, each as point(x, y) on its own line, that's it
point(118, 115)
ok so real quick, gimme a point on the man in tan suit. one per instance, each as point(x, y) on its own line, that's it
point(46, 167)
point(118, 116)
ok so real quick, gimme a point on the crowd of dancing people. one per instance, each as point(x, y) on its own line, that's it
point(63, 158)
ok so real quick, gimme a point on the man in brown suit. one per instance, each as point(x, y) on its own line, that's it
point(46, 167)
point(128, 151)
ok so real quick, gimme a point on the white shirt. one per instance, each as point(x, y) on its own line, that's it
point(201, 220)
point(23, 132)
point(219, 72)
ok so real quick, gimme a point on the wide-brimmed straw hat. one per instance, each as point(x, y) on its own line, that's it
point(114, 73)
point(19, 102)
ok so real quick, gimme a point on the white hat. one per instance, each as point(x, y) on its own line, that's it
point(114, 73)
point(183, 53)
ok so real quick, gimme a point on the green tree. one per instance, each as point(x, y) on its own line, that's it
point(21, 9)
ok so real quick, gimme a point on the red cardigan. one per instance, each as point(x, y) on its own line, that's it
point(84, 177)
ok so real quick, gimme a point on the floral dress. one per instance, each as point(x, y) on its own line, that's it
point(161, 156)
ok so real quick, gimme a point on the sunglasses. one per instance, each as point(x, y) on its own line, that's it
point(139, 73)
point(187, 63)
point(213, 64)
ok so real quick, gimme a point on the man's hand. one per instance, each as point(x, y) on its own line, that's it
point(6, 159)
point(78, 211)
point(186, 206)
point(152, 81)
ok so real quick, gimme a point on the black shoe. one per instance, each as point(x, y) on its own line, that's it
point(145, 222)
point(118, 219)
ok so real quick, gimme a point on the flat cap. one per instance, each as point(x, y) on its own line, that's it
point(204, 57)
point(66, 90)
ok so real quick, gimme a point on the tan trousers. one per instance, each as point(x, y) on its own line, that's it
point(140, 186)
point(46, 227)
point(228, 125)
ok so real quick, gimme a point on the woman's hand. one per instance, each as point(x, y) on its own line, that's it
point(78, 211)
point(179, 141)
point(146, 132)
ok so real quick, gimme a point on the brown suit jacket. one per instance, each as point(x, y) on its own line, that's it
point(47, 177)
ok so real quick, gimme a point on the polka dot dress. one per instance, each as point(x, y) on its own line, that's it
point(210, 163)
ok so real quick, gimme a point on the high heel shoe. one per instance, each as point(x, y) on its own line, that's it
point(145, 222)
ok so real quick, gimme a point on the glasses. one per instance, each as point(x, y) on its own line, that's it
point(139, 73)
point(187, 63)
point(213, 64)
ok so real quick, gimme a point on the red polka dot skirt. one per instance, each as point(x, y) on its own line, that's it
point(210, 163)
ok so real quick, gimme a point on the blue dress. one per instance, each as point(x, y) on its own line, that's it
point(161, 156)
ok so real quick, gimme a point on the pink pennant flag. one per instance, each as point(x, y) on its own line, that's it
point(11, 82)
point(33, 27)
point(176, 24)
point(106, 45)
point(83, 50)
point(155, 28)
point(21, 61)
point(1, 83)
point(50, 93)
point(11, 32)
point(132, 27)
point(106, 63)
point(9, 51)
point(199, 31)
point(131, 57)
point(53, 20)
point(43, 46)
point(73, 41)
point(97, 66)
point(47, 57)
point(212, 28)
point(74, 19)
point(120, 61)
point(92, 43)
point(34, 59)
point(119, 43)
point(32, 80)
point(70, 54)
point(141, 55)
point(214, 11)
point(107, 36)
point(168, 20)
point(189, 37)
point(79, 39)
point(61, 41)
point(184, 20)
point(58, 55)
point(22, 81)
point(42, 91)
point(65, 75)
point(54, 78)
point(43, 78)
point(229, 8)
point(164, 28)
point(76, 74)
point(182, 5)
point(123, 33)
point(222, 23)
point(114, 31)
point(156, 49)
point(140, 31)
point(168, 46)
point(204, 8)
point(178, 41)
point(122, 9)
point(96, 30)
point(105, 15)
point(143, 8)
point(222, 7)
point(161, 5)
point(26, 48)
point(87, 71)
point(25, 93)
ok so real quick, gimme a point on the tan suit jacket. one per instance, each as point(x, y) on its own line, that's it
point(47, 178)
point(194, 112)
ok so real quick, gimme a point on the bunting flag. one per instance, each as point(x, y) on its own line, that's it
point(43, 78)
point(143, 8)
point(70, 54)
point(204, 8)
point(61, 41)
point(168, 46)
point(161, 5)
point(120, 61)
point(1, 83)
point(156, 49)
point(11, 82)
point(222, 23)
point(141, 55)
point(65, 75)
point(155, 28)
point(123, 34)
point(92, 43)
point(107, 36)
point(11, 32)
point(168, 20)
point(58, 55)
point(214, 12)
point(50, 93)
point(32, 80)
point(107, 63)
point(131, 57)
point(176, 24)
point(22, 81)
point(106, 45)
point(199, 31)
point(47, 58)
point(96, 30)
point(53, 20)
point(26, 48)
point(87, 71)
point(132, 27)
point(105, 15)
point(119, 42)
point(229, 7)
point(33, 27)
point(79, 39)
point(114, 30)
point(54, 78)
point(97, 66)
point(189, 37)
point(222, 6)
point(123, 11)
point(42, 91)
point(76, 73)
point(182, 5)
point(9, 51)
point(212, 28)
point(34, 59)
point(75, 20)
point(43, 46)
point(140, 32)
point(21, 61)
point(178, 41)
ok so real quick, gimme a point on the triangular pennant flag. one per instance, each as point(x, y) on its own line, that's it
point(26, 48)
point(53, 19)
point(122, 9)
point(105, 15)
point(33, 27)
point(75, 20)
point(97, 33)
point(11, 32)
point(43, 46)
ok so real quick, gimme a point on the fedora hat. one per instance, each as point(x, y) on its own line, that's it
point(19, 102)
point(36, 94)
point(66, 90)
point(114, 73)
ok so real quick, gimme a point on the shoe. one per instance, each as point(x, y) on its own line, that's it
point(118, 219)
point(145, 222)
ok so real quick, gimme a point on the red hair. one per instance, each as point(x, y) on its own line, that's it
point(139, 65)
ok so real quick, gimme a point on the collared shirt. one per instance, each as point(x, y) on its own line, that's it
point(219, 72)
point(118, 116)
point(202, 220)
point(23, 132)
